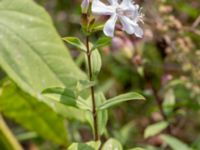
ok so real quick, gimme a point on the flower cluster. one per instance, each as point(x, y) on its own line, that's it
point(126, 11)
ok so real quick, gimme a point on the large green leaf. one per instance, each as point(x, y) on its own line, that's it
point(31, 51)
point(32, 114)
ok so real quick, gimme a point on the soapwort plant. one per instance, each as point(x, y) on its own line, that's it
point(83, 95)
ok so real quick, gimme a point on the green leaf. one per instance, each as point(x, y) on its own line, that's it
point(169, 101)
point(112, 144)
point(196, 143)
point(83, 104)
point(80, 146)
point(65, 96)
point(101, 42)
point(125, 132)
point(62, 95)
point(96, 28)
point(156, 128)
point(32, 114)
point(31, 51)
point(70, 112)
point(119, 99)
point(174, 143)
point(96, 62)
point(85, 146)
point(84, 84)
point(75, 42)
point(95, 144)
point(102, 115)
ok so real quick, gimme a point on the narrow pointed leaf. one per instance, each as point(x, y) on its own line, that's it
point(103, 41)
point(102, 115)
point(96, 28)
point(119, 99)
point(75, 42)
point(175, 143)
point(155, 129)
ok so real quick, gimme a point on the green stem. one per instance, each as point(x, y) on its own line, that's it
point(9, 137)
point(94, 112)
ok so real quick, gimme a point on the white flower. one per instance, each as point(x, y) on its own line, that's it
point(85, 5)
point(127, 12)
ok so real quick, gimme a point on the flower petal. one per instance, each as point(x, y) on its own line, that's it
point(127, 24)
point(109, 27)
point(138, 31)
point(101, 9)
point(126, 2)
point(131, 10)
point(129, 4)
point(131, 27)
point(113, 2)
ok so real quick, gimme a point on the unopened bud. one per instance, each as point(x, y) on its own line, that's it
point(85, 5)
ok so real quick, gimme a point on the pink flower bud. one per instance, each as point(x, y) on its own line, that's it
point(85, 5)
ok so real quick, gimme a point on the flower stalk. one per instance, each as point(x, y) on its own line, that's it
point(94, 112)
point(92, 91)
point(128, 14)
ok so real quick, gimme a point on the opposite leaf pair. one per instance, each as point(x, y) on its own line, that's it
point(73, 98)
point(68, 97)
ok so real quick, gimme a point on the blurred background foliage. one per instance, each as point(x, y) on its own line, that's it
point(163, 66)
